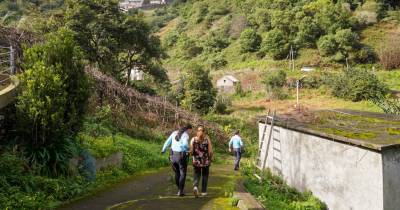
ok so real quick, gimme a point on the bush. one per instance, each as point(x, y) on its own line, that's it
point(274, 82)
point(389, 53)
point(239, 90)
point(53, 100)
point(221, 104)
point(357, 84)
point(249, 41)
point(274, 193)
point(188, 47)
point(218, 62)
point(388, 105)
point(312, 82)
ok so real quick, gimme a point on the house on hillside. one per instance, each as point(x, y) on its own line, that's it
point(158, 2)
point(227, 83)
point(136, 74)
point(130, 4)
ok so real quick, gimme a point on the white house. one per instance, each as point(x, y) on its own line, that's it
point(307, 68)
point(227, 83)
point(136, 74)
point(158, 2)
point(130, 4)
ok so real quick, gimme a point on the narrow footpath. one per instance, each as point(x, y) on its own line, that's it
point(153, 191)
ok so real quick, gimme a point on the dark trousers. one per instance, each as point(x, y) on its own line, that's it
point(179, 165)
point(238, 156)
point(202, 172)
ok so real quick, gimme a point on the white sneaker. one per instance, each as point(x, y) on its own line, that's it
point(203, 194)
point(196, 192)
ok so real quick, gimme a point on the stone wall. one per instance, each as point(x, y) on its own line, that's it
point(341, 175)
point(112, 160)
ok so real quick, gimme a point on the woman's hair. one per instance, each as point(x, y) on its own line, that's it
point(237, 132)
point(182, 130)
point(204, 132)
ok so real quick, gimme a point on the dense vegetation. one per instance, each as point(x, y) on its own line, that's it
point(51, 122)
point(275, 194)
point(22, 187)
point(220, 32)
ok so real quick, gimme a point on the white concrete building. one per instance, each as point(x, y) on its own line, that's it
point(130, 4)
point(227, 83)
point(345, 173)
point(136, 75)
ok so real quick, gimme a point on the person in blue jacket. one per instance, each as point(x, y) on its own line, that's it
point(236, 144)
point(179, 143)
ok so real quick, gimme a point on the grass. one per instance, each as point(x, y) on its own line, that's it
point(390, 78)
point(275, 194)
point(23, 189)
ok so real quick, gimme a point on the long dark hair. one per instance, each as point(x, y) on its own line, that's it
point(182, 130)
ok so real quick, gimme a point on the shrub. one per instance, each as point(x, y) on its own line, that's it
point(218, 62)
point(312, 82)
point(249, 41)
point(388, 105)
point(239, 90)
point(171, 39)
point(188, 47)
point(52, 101)
point(215, 42)
point(389, 53)
point(221, 104)
point(357, 84)
point(274, 82)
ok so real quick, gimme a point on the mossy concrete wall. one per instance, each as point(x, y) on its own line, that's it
point(341, 175)
point(391, 178)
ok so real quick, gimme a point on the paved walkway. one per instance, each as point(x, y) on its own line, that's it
point(156, 191)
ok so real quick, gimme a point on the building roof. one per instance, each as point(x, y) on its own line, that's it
point(229, 77)
point(369, 130)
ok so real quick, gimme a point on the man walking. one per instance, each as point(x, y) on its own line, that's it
point(236, 144)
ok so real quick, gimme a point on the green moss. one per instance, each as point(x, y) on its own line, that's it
point(351, 135)
point(393, 131)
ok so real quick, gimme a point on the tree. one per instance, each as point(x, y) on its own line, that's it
point(115, 41)
point(327, 45)
point(274, 83)
point(357, 84)
point(199, 91)
point(249, 40)
point(138, 48)
point(308, 32)
point(97, 29)
point(275, 43)
point(52, 101)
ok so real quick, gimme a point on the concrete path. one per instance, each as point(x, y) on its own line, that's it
point(156, 191)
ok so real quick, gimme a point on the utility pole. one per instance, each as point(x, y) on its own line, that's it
point(297, 92)
point(291, 58)
point(12, 61)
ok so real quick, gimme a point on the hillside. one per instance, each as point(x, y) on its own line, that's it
point(252, 34)
point(250, 39)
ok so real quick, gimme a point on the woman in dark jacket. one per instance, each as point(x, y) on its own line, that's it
point(202, 152)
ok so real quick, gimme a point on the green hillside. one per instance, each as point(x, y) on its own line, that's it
point(259, 34)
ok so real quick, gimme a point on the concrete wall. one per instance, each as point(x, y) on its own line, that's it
point(391, 179)
point(343, 176)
